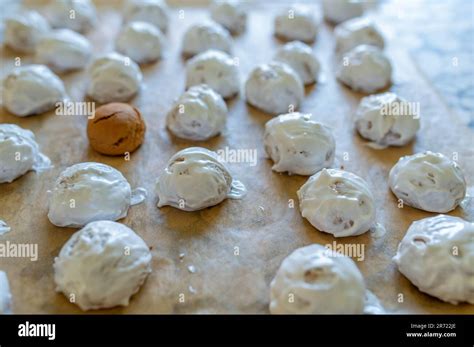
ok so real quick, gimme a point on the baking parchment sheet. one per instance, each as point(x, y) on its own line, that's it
point(222, 259)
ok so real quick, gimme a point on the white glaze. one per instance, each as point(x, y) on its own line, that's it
point(301, 58)
point(23, 30)
point(297, 144)
point(199, 114)
point(428, 181)
point(311, 280)
point(337, 11)
point(141, 41)
point(32, 89)
point(365, 69)
point(5, 294)
point(88, 192)
point(200, 37)
point(377, 121)
point(274, 88)
point(63, 50)
point(102, 265)
point(113, 77)
point(230, 14)
point(437, 255)
point(355, 32)
point(155, 12)
point(19, 153)
point(216, 69)
point(195, 178)
point(77, 15)
point(4, 228)
point(297, 23)
point(337, 202)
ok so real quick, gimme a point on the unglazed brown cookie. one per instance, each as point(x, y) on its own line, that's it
point(117, 128)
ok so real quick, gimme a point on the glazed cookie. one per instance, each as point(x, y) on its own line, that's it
point(77, 15)
point(230, 14)
point(32, 89)
point(113, 77)
point(297, 144)
point(428, 181)
point(387, 120)
point(88, 192)
point(355, 32)
point(437, 256)
point(296, 23)
point(203, 36)
point(102, 266)
point(365, 69)
point(274, 88)
point(63, 50)
point(337, 11)
point(337, 202)
point(141, 41)
point(216, 69)
point(314, 280)
point(155, 12)
point(23, 30)
point(19, 153)
point(301, 58)
point(199, 114)
point(196, 178)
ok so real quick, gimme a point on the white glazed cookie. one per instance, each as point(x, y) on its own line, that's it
point(102, 265)
point(315, 280)
point(337, 11)
point(387, 120)
point(155, 12)
point(301, 58)
point(19, 153)
point(63, 50)
point(113, 77)
point(230, 14)
point(274, 88)
point(216, 69)
point(196, 178)
point(32, 89)
point(428, 181)
point(199, 114)
point(296, 23)
point(337, 202)
point(141, 41)
point(297, 144)
point(5, 294)
point(365, 69)
point(88, 192)
point(23, 30)
point(437, 255)
point(355, 32)
point(77, 15)
point(203, 36)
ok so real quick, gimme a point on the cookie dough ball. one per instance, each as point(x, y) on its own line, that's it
point(216, 69)
point(274, 88)
point(337, 202)
point(428, 181)
point(77, 15)
point(155, 12)
point(301, 58)
point(113, 77)
point(355, 32)
point(387, 120)
point(337, 11)
point(365, 69)
point(297, 144)
point(23, 30)
point(102, 265)
point(203, 36)
point(141, 41)
point(5, 295)
point(437, 256)
point(32, 89)
point(229, 14)
point(116, 129)
point(88, 192)
point(19, 153)
point(196, 178)
point(199, 114)
point(296, 23)
point(63, 50)
point(314, 280)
